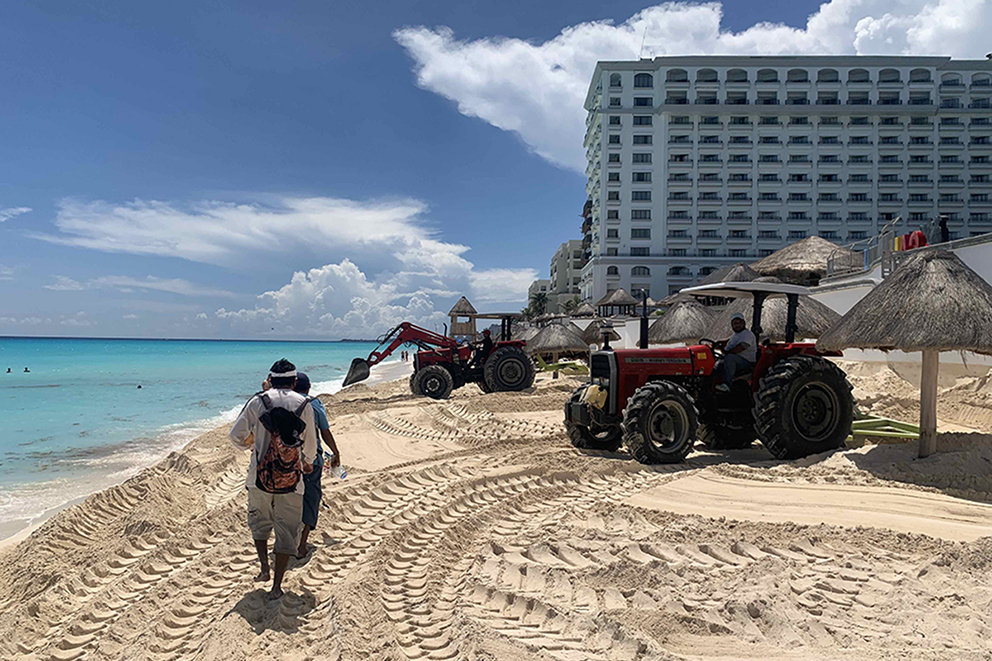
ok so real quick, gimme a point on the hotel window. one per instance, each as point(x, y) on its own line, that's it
point(979, 197)
point(737, 252)
point(829, 121)
point(613, 196)
point(799, 158)
point(768, 215)
point(798, 177)
point(768, 177)
point(676, 252)
point(642, 176)
point(643, 80)
point(612, 270)
point(640, 196)
point(613, 158)
point(707, 215)
point(611, 252)
point(612, 234)
point(640, 214)
point(799, 140)
point(765, 121)
point(643, 101)
point(707, 252)
point(798, 215)
point(829, 215)
point(799, 120)
point(642, 120)
point(829, 197)
point(919, 140)
point(798, 197)
point(769, 140)
point(740, 158)
point(614, 101)
point(859, 140)
point(860, 121)
point(889, 197)
point(768, 197)
point(740, 140)
point(979, 179)
point(643, 139)
point(859, 159)
point(888, 178)
point(889, 158)
point(613, 177)
point(738, 234)
point(858, 197)
point(739, 176)
point(613, 214)
point(640, 252)
point(679, 119)
point(829, 234)
point(797, 234)
point(828, 178)
point(615, 139)
point(614, 120)
point(830, 140)
point(640, 271)
point(641, 158)
point(858, 215)
point(857, 234)
point(769, 158)
point(709, 139)
point(982, 217)
point(921, 178)
point(830, 158)
point(767, 234)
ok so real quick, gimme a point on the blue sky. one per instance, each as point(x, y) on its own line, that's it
point(182, 161)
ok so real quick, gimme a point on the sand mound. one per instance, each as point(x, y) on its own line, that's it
point(471, 529)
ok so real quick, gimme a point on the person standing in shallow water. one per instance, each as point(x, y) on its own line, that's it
point(311, 481)
point(278, 408)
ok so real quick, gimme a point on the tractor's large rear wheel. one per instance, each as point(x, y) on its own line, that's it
point(585, 438)
point(659, 423)
point(434, 381)
point(727, 432)
point(803, 406)
point(509, 369)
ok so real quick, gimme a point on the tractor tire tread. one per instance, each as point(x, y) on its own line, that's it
point(633, 423)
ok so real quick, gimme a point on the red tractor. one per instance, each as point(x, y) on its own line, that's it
point(660, 401)
point(443, 364)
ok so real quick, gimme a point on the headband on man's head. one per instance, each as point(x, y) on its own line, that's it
point(283, 375)
point(738, 315)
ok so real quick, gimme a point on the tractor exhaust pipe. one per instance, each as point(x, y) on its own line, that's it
point(643, 340)
point(359, 371)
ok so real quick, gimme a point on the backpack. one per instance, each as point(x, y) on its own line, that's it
point(278, 470)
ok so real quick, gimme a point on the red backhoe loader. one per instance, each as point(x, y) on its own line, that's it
point(443, 364)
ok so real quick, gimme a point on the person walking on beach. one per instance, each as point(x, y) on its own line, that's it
point(281, 422)
point(311, 481)
point(740, 352)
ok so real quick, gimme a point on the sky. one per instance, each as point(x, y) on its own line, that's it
point(323, 170)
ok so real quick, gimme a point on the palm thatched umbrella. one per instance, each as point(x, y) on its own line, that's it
point(525, 333)
point(616, 302)
point(557, 339)
point(687, 321)
point(801, 263)
point(932, 302)
point(463, 307)
point(584, 310)
point(813, 318)
point(593, 334)
point(739, 272)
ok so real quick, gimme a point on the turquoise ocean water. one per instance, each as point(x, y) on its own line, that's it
point(77, 422)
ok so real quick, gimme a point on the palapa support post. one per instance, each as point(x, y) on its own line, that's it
point(928, 403)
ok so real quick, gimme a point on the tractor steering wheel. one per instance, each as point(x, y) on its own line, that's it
point(717, 351)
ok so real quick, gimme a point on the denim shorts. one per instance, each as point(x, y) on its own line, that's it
point(311, 497)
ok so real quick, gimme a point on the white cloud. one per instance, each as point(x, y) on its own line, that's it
point(129, 317)
point(225, 232)
point(339, 300)
point(65, 283)
point(128, 284)
point(537, 90)
point(11, 212)
point(6, 273)
point(24, 321)
point(78, 320)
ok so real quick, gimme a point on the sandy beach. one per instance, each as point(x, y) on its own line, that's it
point(471, 529)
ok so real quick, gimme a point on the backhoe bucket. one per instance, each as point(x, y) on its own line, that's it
point(359, 371)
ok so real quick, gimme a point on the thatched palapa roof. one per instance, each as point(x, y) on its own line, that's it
point(584, 310)
point(803, 262)
point(813, 318)
point(687, 321)
point(739, 272)
point(593, 333)
point(463, 307)
point(932, 301)
point(557, 339)
point(618, 297)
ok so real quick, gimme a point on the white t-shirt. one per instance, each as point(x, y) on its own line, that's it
point(749, 354)
point(248, 423)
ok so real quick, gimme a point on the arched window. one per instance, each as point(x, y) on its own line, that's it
point(678, 270)
point(643, 81)
point(952, 79)
point(706, 270)
point(677, 76)
point(614, 80)
point(858, 76)
point(981, 80)
point(797, 76)
point(640, 270)
point(737, 76)
point(889, 76)
point(827, 76)
point(767, 76)
point(706, 76)
point(919, 76)
point(612, 270)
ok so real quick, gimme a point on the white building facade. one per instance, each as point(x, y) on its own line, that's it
point(699, 162)
point(566, 274)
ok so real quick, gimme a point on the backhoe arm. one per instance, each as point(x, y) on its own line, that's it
point(405, 333)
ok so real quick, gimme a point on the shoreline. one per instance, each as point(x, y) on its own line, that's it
point(389, 370)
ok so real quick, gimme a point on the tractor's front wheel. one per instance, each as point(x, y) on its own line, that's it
point(413, 384)
point(659, 423)
point(584, 438)
point(509, 369)
point(803, 406)
point(433, 381)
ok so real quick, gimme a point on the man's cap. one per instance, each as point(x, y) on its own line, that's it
point(737, 315)
point(302, 383)
point(486, 332)
point(282, 369)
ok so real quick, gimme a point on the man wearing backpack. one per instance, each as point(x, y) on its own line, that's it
point(281, 422)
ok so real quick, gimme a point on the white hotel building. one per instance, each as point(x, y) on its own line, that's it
point(699, 162)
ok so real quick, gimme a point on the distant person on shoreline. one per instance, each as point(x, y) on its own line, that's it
point(311, 481)
point(26, 370)
point(285, 446)
point(8, 370)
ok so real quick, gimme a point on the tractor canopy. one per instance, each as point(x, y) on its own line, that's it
point(760, 291)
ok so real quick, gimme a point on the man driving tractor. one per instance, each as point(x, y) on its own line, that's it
point(483, 351)
point(740, 353)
